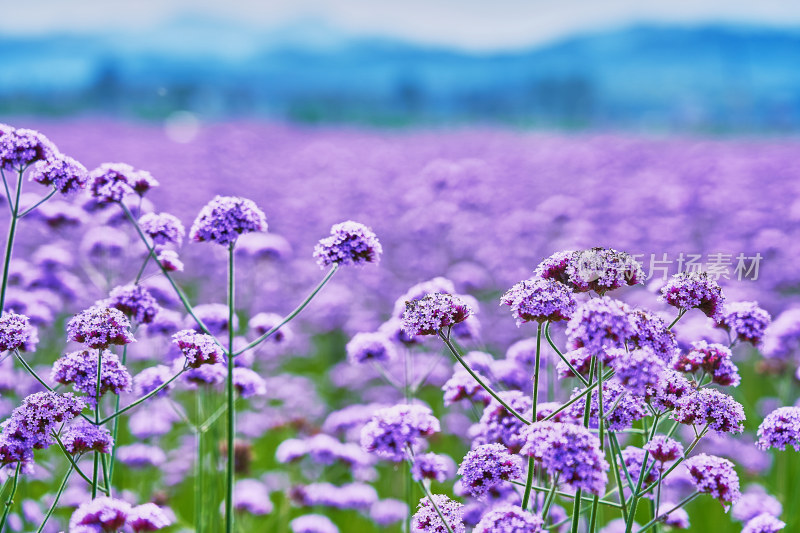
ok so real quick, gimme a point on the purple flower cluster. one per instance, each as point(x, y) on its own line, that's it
point(690, 290)
point(755, 501)
point(570, 451)
point(539, 300)
point(629, 408)
point(432, 466)
point(198, 348)
point(163, 228)
point(650, 331)
point(715, 360)
point(664, 449)
point(152, 378)
point(112, 182)
point(359, 496)
point(746, 321)
point(670, 389)
point(764, 523)
point(82, 437)
point(21, 147)
point(780, 428)
point(225, 218)
point(715, 476)
point(637, 370)
point(100, 327)
point(80, 370)
point(498, 425)
point(15, 331)
point(64, 173)
point(433, 313)
point(32, 423)
point(509, 519)
point(393, 430)
point(708, 406)
point(349, 243)
point(487, 466)
point(462, 386)
point(427, 520)
point(104, 514)
point(602, 269)
point(313, 523)
point(134, 301)
point(599, 324)
point(366, 348)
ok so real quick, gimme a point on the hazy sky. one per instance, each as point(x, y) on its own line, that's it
point(475, 24)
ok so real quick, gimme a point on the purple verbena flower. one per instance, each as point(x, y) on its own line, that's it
point(163, 228)
point(462, 386)
point(780, 428)
point(690, 290)
point(15, 331)
point(100, 327)
point(487, 466)
point(764, 523)
point(599, 324)
point(394, 429)
point(139, 455)
point(669, 390)
point(570, 451)
point(366, 348)
point(426, 519)
point(433, 313)
point(755, 501)
point(313, 523)
point(602, 269)
point(719, 411)
point(497, 424)
point(349, 243)
point(225, 218)
point(247, 383)
point(82, 437)
point(715, 360)
point(746, 321)
point(80, 369)
point(664, 449)
point(555, 267)
point(678, 519)
point(64, 173)
point(509, 519)
point(148, 517)
point(100, 515)
point(637, 370)
point(20, 148)
point(388, 511)
point(170, 260)
point(112, 182)
point(261, 323)
point(539, 300)
point(650, 331)
point(134, 301)
point(198, 348)
point(715, 476)
point(251, 496)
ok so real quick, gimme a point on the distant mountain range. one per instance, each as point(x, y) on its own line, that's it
point(725, 78)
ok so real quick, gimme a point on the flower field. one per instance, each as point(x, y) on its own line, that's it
point(279, 328)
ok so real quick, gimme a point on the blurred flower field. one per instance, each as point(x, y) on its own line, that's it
point(469, 213)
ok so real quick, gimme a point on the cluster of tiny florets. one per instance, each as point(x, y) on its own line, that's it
point(637, 370)
point(715, 360)
point(80, 370)
point(394, 430)
point(487, 466)
point(100, 327)
point(509, 519)
point(433, 313)
point(780, 428)
point(82, 437)
point(539, 300)
point(599, 324)
point(366, 348)
point(198, 348)
point(602, 269)
point(745, 321)
point(349, 243)
point(163, 228)
point(715, 476)
point(708, 406)
point(112, 182)
point(225, 218)
point(20, 148)
point(690, 290)
point(134, 301)
point(63, 173)
point(427, 520)
point(15, 331)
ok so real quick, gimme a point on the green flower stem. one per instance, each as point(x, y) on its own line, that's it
point(571, 496)
point(617, 478)
point(12, 229)
point(534, 403)
point(231, 413)
point(477, 378)
point(95, 469)
point(548, 501)
point(680, 315)
point(72, 461)
point(198, 466)
point(40, 202)
point(140, 400)
point(601, 427)
point(580, 395)
point(563, 357)
point(291, 315)
point(181, 295)
point(10, 500)
point(58, 497)
point(115, 427)
point(638, 492)
point(587, 410)
point(655, 520)
point(141, 269)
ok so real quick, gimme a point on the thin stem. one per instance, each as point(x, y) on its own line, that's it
point(477, 378)
point(549, 499)
point(571, 496)
point(680, 460)
point(141, 269)
point(587, 410)
point(617, 477)
point(637, 492)
point(230, 398)
point(71, 460)
point(184, 300)
point(115, 427)
point(12, 229)
point(58, 497)
point(680, 315)
point(578, 396)
point(97, 422)
point(534, 402)
point(601, 427)
point(40, 202)
point(8, 194)
point(198, 474)
point(291, 315)
point(142, 399)
point(563, 357)
point(661, 516)
point(10, 500)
